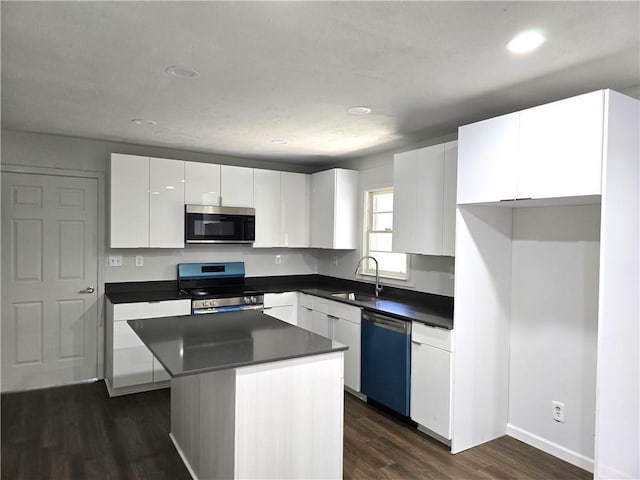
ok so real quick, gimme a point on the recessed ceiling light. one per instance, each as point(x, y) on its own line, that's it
point(279, 141)
point(182, 72)
point(525, 42)
point(144, 122)
point(359, 110)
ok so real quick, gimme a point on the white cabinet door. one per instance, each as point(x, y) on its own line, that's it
point(295, 209)
point(286, 313)
point(266, 188)
point(487, 159)
point(159, 372)
point(201, 183)
point(166, 203)
point(334, 209)
point(132, 360)
point(348, 333)
point(561, 148)
point(431, 388)
point(345, 209)
point(405, 166)
point(236, 184)
point(449, 198)
point(430, 195)
point(305, 317)
point(316, 322)
point(129, 201)
point(322, 209)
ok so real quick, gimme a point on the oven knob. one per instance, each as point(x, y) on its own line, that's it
point(254, 300)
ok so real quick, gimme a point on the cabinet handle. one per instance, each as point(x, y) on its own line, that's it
point(334, 317)
point(415, 342)
point(267, 308)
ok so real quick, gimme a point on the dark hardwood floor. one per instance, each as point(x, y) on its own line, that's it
point(78, 432)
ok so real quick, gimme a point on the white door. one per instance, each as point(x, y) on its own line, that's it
point(49, 280)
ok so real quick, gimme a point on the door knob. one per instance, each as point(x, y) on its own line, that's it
point(88, 290)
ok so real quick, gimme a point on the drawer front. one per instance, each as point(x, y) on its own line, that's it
point(167, 308)
point(279, 299)
point(434, 336)
point(347, 312)
point(320, 304)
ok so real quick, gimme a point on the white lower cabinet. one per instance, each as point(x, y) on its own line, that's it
point(337, 321)
point(431, 378)
point(130, 365)
point(283, 306)
point(348, 332)
point(132, 360)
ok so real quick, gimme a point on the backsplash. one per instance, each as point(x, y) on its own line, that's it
point(160, 264)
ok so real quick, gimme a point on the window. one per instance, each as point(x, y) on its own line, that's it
point(378, 235)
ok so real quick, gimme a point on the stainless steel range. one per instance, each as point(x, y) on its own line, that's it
point(217, 287)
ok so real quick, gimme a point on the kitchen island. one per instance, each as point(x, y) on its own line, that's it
point(251, 396)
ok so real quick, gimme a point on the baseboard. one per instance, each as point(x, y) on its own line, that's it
point(437, 436)
point(551, 448)
point(145, 387)
point(184, 459)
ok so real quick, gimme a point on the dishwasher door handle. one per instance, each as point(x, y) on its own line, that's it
point(388, 323)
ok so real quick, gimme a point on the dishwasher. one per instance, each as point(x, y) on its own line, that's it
point(386, 361)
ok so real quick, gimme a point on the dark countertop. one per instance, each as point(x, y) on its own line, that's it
point(434, 315)
point(194, 344)
point(431, 309)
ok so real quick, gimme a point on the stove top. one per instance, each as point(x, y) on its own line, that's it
point(217, 287)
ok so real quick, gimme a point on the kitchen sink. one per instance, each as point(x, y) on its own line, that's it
point(354, 297)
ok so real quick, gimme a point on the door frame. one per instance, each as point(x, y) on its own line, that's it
point(100, 238)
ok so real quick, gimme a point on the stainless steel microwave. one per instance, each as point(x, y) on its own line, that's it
point(213, 224)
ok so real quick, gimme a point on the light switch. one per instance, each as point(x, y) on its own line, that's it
point(139, 261)
point(115, 260)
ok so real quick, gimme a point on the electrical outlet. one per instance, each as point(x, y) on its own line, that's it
point(557, 411)
point(115, 260)
point(139, 261)
point(278, 259)
point(335, 259)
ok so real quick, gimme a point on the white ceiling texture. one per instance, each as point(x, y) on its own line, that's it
point(275, 78)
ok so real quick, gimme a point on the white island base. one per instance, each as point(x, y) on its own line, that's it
point(278, 420)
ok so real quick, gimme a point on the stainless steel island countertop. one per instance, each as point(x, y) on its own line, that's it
point(195, 344)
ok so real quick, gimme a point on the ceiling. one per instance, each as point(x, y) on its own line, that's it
point(287, 71)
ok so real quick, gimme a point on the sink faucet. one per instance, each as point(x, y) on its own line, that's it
point(378, 286)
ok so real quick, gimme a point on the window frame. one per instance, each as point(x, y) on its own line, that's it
point(368, 229)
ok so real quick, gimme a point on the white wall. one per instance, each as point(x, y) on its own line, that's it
point(554, 320)
point(160, 264)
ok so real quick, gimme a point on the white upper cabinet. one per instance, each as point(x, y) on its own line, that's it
point(236, 186)
point(424, 184)
point(334, 209)
point(405, 201)
point(561, 148)
point(129, 201)
point(449, 199)
point(282, 209)
point(295, 206)
point(267, 200)
point(202, 183)
point(550, 151)
point(147, 202)
point(487, 154)
point(166, 203)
